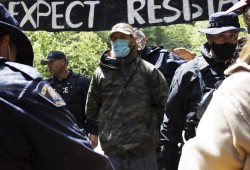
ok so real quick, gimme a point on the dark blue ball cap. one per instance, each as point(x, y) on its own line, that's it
point(222, 21)
point(52, 56)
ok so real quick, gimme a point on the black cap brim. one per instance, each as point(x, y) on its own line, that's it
point(220, 30)
point(45, 62)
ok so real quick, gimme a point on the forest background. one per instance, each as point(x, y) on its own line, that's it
point(84, 49)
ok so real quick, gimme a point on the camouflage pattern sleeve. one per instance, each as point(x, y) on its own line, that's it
point(93, 102)
point(159, 93)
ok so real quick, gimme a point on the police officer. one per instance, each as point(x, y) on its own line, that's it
point(71, 86)
point(36, 130)
point(193, 80)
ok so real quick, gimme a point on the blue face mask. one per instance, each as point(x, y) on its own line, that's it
point(120, 48)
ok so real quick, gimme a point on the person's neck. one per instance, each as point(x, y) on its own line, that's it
point(64, 74)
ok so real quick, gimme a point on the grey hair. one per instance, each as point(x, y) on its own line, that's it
point(139, 33)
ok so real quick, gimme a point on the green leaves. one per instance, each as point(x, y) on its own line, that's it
point(83, 49)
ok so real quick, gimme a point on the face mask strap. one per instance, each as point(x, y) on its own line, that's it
point(139, 43)
point(140, 40)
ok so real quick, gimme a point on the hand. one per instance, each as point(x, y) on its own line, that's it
point(183, 53)
point(94, 140)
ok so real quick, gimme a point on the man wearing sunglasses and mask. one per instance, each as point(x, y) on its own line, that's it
point(193, 84)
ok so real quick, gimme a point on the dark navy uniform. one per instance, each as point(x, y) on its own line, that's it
point(36, 130)
point(73, 90)
point(188, 86)
point(164, 60)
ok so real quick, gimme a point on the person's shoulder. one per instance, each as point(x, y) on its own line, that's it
point(236, 89)
point(159, 50)
point(28, 71)
point(187, 72)
point(79, 76)
point(98, 72)
point(51, 79)
point(239, 78)
point(85, 78)
point(85, 81)
point(190, 66)
point(147, 65)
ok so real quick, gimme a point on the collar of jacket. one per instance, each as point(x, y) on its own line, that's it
point(145, 52)
point(238, 66)
point(117, 63)
point(55, 80)
point(25, 69)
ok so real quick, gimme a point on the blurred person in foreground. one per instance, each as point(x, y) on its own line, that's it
point(223, 141)
point(71, 86)
point(194, 83)
point(127, 96)
point(36, 131)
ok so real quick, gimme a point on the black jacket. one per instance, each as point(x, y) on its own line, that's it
point(74, 91)
point(185, 93)
point(36, 131)
point(164, 60)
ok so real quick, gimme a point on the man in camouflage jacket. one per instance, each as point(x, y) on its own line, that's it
point(127, 96)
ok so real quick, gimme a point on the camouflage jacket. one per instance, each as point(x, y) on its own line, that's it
point(127, 96)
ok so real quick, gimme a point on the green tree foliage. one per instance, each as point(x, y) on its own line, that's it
point(83, 49)
point(176, 36)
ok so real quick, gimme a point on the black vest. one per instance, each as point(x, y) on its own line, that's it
point(74, 94)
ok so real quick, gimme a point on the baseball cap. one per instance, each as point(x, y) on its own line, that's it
point(123, 28)
point(52, 56)
point(9, 25)
point(221, 22)
point(238, 6)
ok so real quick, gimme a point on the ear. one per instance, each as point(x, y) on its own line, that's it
point(209, 38)
point(4, 45)
point(63, 61)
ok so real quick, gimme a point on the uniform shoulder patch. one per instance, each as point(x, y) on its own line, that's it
point(49, 94)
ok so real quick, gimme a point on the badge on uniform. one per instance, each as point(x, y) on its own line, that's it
point(48, 93)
